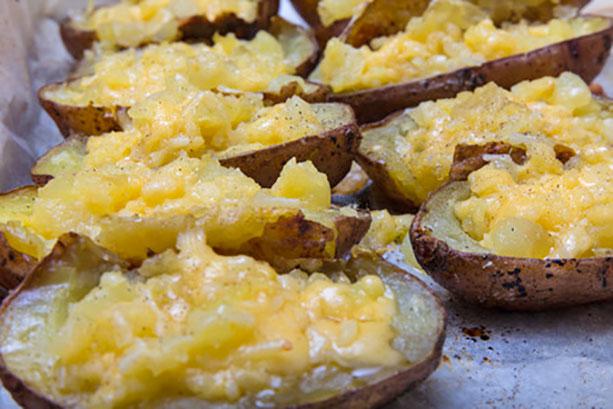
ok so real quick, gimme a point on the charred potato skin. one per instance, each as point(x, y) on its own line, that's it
point(585, 56)
point(512, 283)
point(370, 396)
point(197, 27)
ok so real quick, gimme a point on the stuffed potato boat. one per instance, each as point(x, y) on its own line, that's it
point(409, 154)
point(330, 18)
point(128, 23)
point(135, 210)
point(238, 129)
point(184, 329)
point(522, 231)
point(109, 83)
point(454, 46)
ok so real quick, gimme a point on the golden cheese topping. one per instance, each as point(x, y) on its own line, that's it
point(561, 109)
point(541, 209)
point(191, 324)
point(451, 34)
point(127, 77)
point(130, 23)
point(186, 121)
point(330, 11)
point(133, 209)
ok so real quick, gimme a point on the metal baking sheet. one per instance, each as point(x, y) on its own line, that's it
point(492, 359)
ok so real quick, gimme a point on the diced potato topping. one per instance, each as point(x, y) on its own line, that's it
point(450, 35)
point(127, 77)
point(561, 109)
point(333, 10)
point(191, 324)
point(130, 23)
point(540, 209)
point(186, 121)
point(133, 209)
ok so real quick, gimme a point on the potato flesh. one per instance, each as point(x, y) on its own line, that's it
point(132, 209)
point(130, 24)
point(330, 11)
point(129, 76)
point(450, 35)
point(536, 211)
point(417, 146)
point(191, 323)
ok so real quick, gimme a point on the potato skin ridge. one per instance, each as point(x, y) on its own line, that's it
point(585, 56)
point(196, 27)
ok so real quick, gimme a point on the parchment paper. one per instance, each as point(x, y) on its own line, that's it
point(559, 359)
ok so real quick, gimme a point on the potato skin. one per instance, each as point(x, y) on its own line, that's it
point(287, 238)
point(192, 28)
point(585, 56)
point(331, 153)
point(96, 120)
point(368, 397)
point(307, 9)
point(510, 283)
point(14, 265)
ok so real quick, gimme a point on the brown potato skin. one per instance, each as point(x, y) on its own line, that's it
point(192, 28)
point(331, 153)
point(585, 56)
point(293, 238)
point(14, 265)
point(307, 9)
point(81, 120)
point(511, 283)
point(368, 397)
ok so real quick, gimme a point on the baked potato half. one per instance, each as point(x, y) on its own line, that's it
point(238, 129)
point(258, 346)
point(453, 46)
point(560, 254)
point(95, 99)
point(128, 24)
point(136, 210)
point(331, 18)
point(409, 154)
